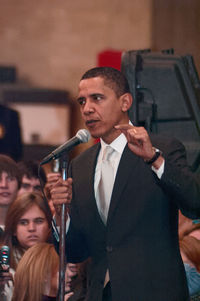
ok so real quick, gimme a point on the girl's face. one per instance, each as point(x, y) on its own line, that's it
point(8, 189)
point(32, 227)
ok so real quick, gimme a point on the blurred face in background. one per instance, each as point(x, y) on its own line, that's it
point(29, 185)
point(32, 227)
point(8, 189)
point(52, 283)
point(71, 272)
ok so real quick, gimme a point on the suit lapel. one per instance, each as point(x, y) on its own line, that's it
point(89, 170)
point(127, 165)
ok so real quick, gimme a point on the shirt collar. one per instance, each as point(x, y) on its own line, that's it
point(118, 144)
point(2, 227)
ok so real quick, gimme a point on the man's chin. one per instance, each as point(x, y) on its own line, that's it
point(96, 137)
point(94, 133)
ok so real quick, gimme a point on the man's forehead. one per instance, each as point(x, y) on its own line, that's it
point(92, 86)
point(86, 82)
point(5, 172)
point(32, 179)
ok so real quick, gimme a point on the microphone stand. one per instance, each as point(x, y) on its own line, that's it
point(62, 263)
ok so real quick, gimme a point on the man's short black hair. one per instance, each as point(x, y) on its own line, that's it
point(29, 168)
point(113, 78)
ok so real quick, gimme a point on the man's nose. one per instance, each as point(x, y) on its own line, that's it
point(31, 226)
point(88, 107)
point(30, 189)
point(3, 182)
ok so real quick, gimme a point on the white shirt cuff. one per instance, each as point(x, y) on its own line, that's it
point(159, 172)
point(57, 228)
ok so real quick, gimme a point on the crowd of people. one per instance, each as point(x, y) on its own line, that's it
point(138, 242)
point(26, 229)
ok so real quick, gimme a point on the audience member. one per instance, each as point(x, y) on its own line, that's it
point(28, 221)
point(77, 280)
point(189, 241)
point(188, 226)
point(30, 177)
point(10, 182)
point(190, 252)
point(127, 224)
point(36, 277)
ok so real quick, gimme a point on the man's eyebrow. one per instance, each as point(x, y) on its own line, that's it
point(91, 95)
point(96, 94)
point(23, 219)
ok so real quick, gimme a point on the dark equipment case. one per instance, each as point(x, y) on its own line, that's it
point(166, 92)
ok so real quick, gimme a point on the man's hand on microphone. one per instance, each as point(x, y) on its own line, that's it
point(61, 193)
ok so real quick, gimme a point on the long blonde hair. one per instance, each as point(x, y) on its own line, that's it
point(34, 271)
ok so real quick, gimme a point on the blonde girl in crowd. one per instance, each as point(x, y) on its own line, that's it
point(28, 222)
point(36, 277)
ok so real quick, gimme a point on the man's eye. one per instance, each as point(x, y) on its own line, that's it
point(23, 222)
point(39, 220)
point(81, 101)
point(98, 97)
point(26, 186)
point(11, 178)
point(37, 188)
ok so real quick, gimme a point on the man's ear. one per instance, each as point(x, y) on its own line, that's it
point(126, 102)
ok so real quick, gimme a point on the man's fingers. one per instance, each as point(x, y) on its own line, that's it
point(60, 182)
point(62, 192)
point(133, 134)
point(129, 130)
point(124, 126)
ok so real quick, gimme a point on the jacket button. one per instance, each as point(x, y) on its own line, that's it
point(109, 249)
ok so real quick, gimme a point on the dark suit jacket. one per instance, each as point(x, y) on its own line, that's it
point(139, 245)
point(10, 133)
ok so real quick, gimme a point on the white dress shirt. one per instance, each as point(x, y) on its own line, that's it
point(118, 145)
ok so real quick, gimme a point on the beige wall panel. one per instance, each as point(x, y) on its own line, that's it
point(53, 42)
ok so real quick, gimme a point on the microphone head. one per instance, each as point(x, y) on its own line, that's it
point(83, 135)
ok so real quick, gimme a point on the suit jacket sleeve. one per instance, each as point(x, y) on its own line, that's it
point(179, 181)
point(76, 245)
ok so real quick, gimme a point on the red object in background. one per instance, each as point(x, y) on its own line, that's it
point(109, 58)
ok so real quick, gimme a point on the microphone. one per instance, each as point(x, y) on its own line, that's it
point(81, 136)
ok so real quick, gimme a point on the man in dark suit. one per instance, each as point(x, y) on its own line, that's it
point(133, 240)
point(10, 133)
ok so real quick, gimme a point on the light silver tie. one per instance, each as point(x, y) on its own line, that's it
point(105, 186)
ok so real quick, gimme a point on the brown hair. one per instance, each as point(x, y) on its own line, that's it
point(9, 166)
point(190, 246)
point(34, 271)
point(29, 168)
point(15, 211)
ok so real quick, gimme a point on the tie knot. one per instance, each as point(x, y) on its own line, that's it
point(107, 153)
